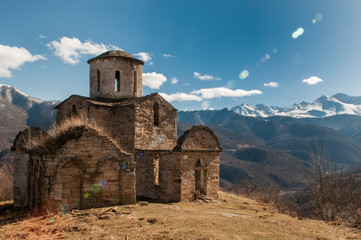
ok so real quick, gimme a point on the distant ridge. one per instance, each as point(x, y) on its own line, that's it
point(324, 106)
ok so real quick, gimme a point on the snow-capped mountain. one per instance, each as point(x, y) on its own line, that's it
point(34, 111)
point(322, 107)
point(18, 98)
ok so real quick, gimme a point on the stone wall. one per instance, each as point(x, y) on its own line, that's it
point(116, 121)
point(89, 171)
point(167, 188)
point(149, 136)
point(107, 67)
point(204, 178)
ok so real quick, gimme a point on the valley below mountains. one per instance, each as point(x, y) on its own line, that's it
point(263, 144)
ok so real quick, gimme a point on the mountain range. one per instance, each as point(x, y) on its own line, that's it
point(264, 147)
point(17, 111)
point(324, 106)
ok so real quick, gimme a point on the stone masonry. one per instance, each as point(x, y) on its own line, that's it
point(130, 152)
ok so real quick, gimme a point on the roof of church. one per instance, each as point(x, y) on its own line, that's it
point(117, 54)
point(110, 102)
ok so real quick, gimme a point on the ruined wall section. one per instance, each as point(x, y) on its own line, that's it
point(151, 136)
point(26, 169)
point(107, 67)
point(199, 151)
point(90, 172)
point(86, 171)
point(158, 176)
point(116, 121)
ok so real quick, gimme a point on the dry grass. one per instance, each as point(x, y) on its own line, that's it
point(232, 217)
point(59, 133)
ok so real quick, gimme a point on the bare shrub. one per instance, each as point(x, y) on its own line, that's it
point(326, 183)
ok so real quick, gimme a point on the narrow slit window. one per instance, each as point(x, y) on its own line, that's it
point(135, 84)
point(98, 81)
point(117, 81)
point(156, 171)
point(156, 114)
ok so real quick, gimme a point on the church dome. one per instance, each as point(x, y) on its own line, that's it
point(117, 54)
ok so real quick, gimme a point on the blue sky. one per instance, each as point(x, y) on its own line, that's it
point(194, 50)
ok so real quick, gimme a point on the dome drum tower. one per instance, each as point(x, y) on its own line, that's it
point(115, 74)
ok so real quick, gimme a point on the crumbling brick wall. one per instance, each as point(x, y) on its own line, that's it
point(87, 170)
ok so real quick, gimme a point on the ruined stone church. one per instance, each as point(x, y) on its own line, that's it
point(136, 156)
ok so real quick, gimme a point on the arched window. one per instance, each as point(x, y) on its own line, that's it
point(200, 175)
point(156, 114)
point(135, 84)
point(98, 81)
point(198, 163)
point(117, 81)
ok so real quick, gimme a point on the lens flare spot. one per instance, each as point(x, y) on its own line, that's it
point(160, 139)
point(95, 188)
point(300, 31)
point(267, 56)
point(297, 33)
point(244, 74)
point(86, 195)
point(319, 16)
point(102, 183)
point(314, 21)
point(52, 220)
point(275, 50)
point(263, 59)
point(123, 167)
point(231, 84)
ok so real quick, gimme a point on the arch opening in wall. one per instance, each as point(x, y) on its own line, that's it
point(105, 184)
point(135, 84)
point(156, 114)
point(117, 81)
point(69, 185)
point(98, 81)
point(200, 177)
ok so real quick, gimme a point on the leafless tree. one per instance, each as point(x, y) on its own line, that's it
point(326, 182)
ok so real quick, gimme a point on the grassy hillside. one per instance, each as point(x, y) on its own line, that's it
point(231, 217)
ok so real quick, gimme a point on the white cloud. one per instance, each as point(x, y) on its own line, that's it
point(271, 84)
point(205, 105)
point(208, 93)
point(312, 80)
point(153, 80)
point(42, 36)
point(180, 97)
point(165, 55)
point(145, 57)
point(205, 77)
point(71, 49)
point(12, 58)
point(173, 80)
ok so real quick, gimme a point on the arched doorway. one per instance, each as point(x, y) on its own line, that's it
point(200, 177)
